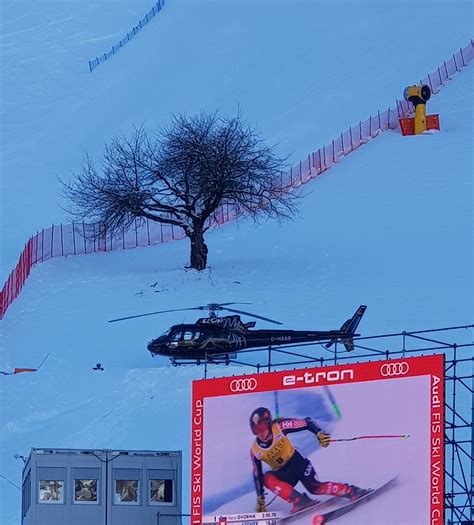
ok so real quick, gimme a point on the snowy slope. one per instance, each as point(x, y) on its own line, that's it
point(390, 226)
point(302, 74)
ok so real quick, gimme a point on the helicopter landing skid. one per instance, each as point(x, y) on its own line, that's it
point(223, 359)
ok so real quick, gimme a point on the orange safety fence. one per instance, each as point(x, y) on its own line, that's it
point(80, 238)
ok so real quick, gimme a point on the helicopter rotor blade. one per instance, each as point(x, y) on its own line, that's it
point(210, 307)
point(225, 304)
point(216, 306)
point(152, 313)
point(253, 315)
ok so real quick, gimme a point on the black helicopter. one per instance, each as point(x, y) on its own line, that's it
point(215, 336)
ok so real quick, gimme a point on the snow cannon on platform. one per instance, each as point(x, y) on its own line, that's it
point(418, 96)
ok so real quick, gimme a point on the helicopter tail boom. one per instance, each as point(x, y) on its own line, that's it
point(349, 328)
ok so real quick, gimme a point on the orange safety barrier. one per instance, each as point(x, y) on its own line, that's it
point(407, 124)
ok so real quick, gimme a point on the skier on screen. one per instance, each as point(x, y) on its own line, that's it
point(287, 465)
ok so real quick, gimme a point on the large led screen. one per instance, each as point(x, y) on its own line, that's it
point(357, 443)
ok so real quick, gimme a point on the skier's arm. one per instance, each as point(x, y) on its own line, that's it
point(289, 425)
point(258, 480)
point(257, 474)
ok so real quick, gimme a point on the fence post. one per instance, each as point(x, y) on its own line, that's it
point(431, 85)
point(52, 240)
point(84, 236)
point(350, 135)
point(74, 237)
point(333, 152)
point(455, 63)
point(462, 57)
point(446, 70)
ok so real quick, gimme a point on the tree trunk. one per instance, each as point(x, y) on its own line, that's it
point(198, 249)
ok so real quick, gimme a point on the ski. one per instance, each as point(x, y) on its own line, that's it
point(322, 513)
point(316, 507)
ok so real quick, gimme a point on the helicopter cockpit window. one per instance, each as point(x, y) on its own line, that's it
point(175, 337)
point(187, 336)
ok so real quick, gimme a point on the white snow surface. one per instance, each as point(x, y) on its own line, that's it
point(390, 226)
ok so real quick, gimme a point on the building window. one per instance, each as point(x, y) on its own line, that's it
point(51, 491)
point(161, 491)
point(126, 491)
point(85, 491)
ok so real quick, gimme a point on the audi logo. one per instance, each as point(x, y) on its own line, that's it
point(394, 369)
point(243, 385)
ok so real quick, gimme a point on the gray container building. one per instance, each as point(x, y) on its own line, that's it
point(101, 487)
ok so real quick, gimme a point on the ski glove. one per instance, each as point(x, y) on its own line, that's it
point(261, 506)
point(323, 438)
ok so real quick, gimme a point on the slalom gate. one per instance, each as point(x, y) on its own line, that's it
point(80, 238)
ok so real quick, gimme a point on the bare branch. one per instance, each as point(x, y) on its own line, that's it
point(182, 176)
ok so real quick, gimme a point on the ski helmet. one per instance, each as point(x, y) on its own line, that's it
point(261, 416)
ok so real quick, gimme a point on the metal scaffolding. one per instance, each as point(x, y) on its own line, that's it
point(457, 345)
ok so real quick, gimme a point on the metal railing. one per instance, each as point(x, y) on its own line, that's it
point(457, 345)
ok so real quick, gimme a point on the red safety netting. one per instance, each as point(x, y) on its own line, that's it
point(80, 238)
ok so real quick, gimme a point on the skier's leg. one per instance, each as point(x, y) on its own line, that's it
point(286, 491)
point(329, 488)
point(280, 487)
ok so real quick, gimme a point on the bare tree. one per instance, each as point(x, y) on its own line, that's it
point(181, 177)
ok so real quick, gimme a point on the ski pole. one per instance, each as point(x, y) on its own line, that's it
point(404, 436)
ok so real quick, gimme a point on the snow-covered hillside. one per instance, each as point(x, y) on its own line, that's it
point(390, 226)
